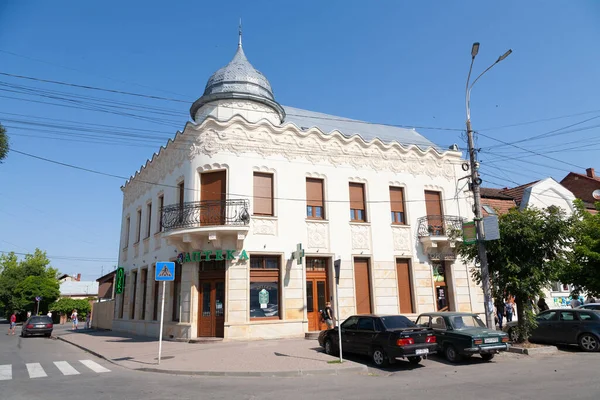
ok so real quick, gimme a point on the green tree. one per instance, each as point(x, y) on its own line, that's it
point(66, 305)
point(4, 147)
point(21, 281)
point(584, 270)
point(533, 248)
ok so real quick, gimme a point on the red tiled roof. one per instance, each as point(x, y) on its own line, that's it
point(582, 186)
point(516, 193)
point(494, 193)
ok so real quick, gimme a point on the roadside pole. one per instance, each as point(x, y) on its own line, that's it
point(336, 267)
point(163, 272)
point(162, 317)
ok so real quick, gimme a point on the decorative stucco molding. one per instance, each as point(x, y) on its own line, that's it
point(402, 238)
point(212, 167)
point(318, 235)
point(361, 235)
point(264, 226)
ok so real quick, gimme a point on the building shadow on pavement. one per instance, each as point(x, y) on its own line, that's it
point(474, 360)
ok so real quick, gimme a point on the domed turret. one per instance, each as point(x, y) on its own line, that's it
point(238, 80)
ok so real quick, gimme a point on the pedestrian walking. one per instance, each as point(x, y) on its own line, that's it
point(542, 305)
point(328, 315)
point(13, 324)
point(28, 314)
point(74, 319)
point(575, 302)
point(500, 311)
point(508, 310)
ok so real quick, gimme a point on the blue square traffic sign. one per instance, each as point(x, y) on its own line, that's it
point(165, 271)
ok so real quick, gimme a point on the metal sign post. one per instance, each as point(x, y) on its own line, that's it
point(336, 266)
point(164, 271)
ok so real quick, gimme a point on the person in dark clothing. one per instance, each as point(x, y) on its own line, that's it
point(499, 311)
point(328, 315)
point(542, 305)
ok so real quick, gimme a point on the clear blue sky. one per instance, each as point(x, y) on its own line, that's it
point(394, 62)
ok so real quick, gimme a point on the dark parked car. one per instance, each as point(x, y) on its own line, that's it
point(460, 335)
point(565, 326)
point(384, 338)
point(590, 306)
point(37, 325)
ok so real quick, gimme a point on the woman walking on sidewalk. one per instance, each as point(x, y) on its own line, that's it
point(74, 319)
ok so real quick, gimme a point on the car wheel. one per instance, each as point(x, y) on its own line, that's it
point(47, 334)
point(379, 358)
point(451, 354)
point(414, 360)
point(588, 342)
point(329, 347)
point(487, 357)
point(513, 335)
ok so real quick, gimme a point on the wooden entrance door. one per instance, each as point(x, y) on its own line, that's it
point(211, 318)
point(317, 293)
point(212, 197)
point(433, 205)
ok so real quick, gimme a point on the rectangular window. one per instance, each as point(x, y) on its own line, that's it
point(122, 307)
point(134, 279)
point(127, 231)
point(149, 220)
point(161, 204)
point(263, 194)
point(138, 231)
point(264, 287)
point(155, 299)
point(397, 205)
point(177, 292)
point(144, 283)
point(357, 202)
point(314, 199)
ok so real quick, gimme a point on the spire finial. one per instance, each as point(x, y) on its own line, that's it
point(240, 34)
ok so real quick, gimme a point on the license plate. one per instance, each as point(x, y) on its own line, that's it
point(40, 325)
point(422, 351)
point(491, 340)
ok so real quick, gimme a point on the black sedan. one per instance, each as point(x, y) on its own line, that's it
point(37, 325)
point(384, 338)
point(565, 326)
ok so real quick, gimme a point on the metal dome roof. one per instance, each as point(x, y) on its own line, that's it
point(239, 76)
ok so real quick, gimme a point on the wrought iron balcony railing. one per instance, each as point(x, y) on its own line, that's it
point(206, 213)
point(439, 225)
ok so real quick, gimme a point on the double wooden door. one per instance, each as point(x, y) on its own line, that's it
point(211, 316)
point(317, 294)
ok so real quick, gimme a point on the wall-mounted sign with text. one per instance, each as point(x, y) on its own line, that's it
point(212, 255)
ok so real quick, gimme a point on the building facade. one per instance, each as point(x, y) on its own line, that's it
point(256, 201)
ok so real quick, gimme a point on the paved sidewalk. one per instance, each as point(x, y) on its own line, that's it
point(284, 357)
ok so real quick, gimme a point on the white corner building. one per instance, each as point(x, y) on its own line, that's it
point(255, 201)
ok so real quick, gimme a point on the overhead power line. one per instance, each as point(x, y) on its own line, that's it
point(70, 258)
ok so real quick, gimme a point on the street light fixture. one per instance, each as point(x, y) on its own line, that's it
point(475, 188)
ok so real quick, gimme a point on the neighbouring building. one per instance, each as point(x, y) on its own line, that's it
point(79, 289)
point(538, 194)
point(106, 286)
point(255, 201)
point(69, 278)
point(583, 187)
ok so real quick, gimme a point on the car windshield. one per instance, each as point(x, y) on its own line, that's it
point(40, 320)
point(397, 322)
point(466, 321)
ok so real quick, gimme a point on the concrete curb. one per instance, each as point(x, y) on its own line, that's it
point(239, 374)
point(534, 350)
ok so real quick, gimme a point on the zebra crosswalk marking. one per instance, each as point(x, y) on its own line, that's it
point(94, 366)
point(66, 368)
point(36, 371)
point(5, 372)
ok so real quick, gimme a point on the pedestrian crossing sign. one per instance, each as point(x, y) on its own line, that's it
point(165, 271)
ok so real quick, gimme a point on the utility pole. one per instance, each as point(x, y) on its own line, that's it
point(475, 188)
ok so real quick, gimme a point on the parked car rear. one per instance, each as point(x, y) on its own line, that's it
point(384, 338)
point(37, 325)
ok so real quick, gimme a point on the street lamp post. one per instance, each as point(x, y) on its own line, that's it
point(475, 187)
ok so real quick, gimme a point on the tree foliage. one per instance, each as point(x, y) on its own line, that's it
point(66, 305)
point(584, 269)
point(532, 250)
point(22, 280)
point(4, 146)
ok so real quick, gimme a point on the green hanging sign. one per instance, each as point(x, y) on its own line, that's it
point(120, 280)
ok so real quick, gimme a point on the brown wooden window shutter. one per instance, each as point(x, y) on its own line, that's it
point(357, 202)
point(397, 205)
point(263, 194)
point(314, 198)
point(362, 283)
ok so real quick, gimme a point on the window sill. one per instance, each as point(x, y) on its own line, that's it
point(265, 319)
point(400, 225)
point(360, 223)
point(157, 233)
point(125, 248)
point(136, 244)
point(318, 220)
point(273, 217)
point(146, 239)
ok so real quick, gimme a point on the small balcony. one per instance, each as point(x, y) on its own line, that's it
point(439, 229)
point(191, 223)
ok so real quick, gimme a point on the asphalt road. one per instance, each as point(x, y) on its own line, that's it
point(568, 375)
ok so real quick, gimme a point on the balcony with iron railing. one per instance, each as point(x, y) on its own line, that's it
point(189, 222)
point(434, 229)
